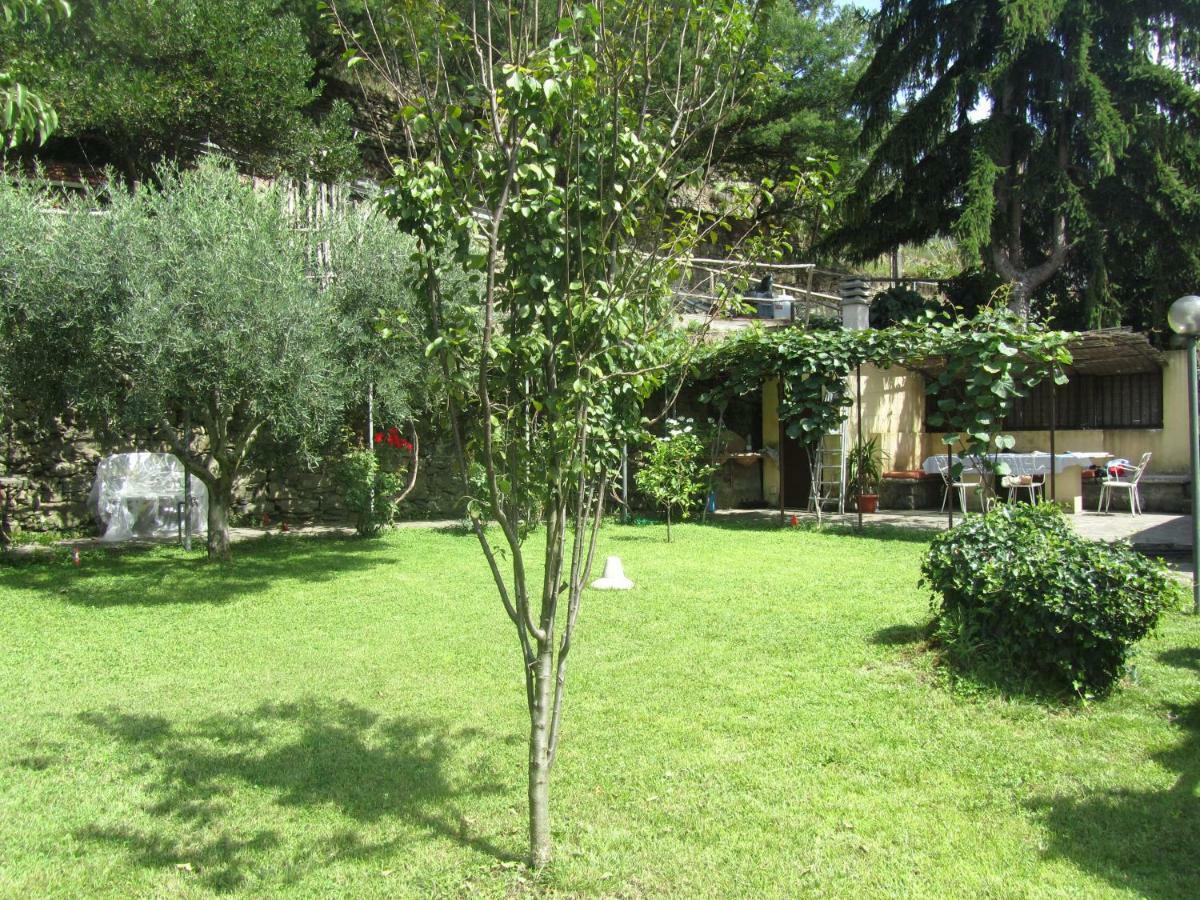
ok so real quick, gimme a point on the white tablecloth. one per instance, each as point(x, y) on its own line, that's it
point(1024, 463)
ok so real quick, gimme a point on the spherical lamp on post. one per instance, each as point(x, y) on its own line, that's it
point(1184, 318)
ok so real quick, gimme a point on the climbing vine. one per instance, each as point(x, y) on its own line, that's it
point(987, 364)
point(976, 369)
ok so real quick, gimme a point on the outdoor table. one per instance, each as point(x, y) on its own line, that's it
point(1068, 471)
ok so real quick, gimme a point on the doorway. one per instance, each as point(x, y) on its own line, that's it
point(797, 474)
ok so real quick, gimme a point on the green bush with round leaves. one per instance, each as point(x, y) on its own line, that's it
point(370, 492)
point(1019, 595)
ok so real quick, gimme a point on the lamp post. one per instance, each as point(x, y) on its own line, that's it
point(1184, 318)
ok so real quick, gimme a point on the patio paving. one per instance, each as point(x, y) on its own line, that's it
point(1155, 533)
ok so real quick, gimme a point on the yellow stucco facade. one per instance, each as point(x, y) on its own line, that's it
point(893, 408)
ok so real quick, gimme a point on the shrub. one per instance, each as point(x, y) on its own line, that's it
point(371, 493)
point(1024, 596)
point(898, 304)
point(673, 472)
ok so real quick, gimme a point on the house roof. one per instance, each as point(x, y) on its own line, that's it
point(1113, 351)
point(1106, 351)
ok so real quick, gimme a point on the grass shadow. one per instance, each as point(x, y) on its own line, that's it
point(900, 635)
point(153, 576)
point(754, 521)
point(307, 755)
point(1141, 841)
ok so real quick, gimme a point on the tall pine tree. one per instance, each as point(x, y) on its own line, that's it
point(1049, 137)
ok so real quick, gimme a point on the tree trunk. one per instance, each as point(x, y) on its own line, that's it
point(1021, 299)
point(219, 498)
point(539, 760)
point(668, 523)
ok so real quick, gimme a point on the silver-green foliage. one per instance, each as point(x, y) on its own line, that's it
point(189, 311)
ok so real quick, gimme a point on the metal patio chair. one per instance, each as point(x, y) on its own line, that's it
point(1125, 482)
point(949, 484)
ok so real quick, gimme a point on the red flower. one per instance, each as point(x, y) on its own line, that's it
point(379, 437)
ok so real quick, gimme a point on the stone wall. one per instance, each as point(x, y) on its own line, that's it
point(307, 495)
point(47, 470)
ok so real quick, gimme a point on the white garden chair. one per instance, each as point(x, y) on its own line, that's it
point(949, 484)
point(1127, 483)
point(1015, 484)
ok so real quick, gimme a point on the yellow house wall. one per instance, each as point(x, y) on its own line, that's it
point(893, 405)
point(893, 408)
point(1169, 444)
point(770, 441)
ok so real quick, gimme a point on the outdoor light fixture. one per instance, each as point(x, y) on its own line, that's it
point(1184, 318)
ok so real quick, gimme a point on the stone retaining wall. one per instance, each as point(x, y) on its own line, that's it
point(46, 475)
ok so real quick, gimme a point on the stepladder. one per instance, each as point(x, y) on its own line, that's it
point(828, 458)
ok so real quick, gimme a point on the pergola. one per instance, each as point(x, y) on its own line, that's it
point(1105, 351)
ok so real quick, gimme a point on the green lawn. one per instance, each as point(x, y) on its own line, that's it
point(336, 717)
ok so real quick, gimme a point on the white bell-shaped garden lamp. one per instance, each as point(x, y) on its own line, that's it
point(614, 576)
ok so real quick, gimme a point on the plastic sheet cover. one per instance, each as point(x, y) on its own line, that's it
point(140, 495)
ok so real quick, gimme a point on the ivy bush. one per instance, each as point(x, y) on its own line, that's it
point(899, 303)
point(1018, 594)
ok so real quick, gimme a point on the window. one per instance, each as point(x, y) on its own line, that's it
point(1088, 402)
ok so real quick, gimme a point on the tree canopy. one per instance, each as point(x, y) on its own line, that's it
point(797, 119)
point(199, 310)
point(137, 82)
point(25, 115)
point(545, 152)
point(1049, 137)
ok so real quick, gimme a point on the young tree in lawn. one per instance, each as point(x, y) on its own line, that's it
point(548, 151)
point(673, 472)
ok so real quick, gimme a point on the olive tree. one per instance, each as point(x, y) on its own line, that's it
point(182, 311)
point(225, 333)
point(548, 148)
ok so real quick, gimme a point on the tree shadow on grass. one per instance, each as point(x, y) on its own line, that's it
point(1142, 841)
point(305, 756)
point(877, 531)
point(900, 635)
point(756, 523)
point(155, 576)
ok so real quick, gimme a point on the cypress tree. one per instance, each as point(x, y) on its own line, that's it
point(1048, 137)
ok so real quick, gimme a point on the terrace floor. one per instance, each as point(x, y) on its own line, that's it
point(1151, 532)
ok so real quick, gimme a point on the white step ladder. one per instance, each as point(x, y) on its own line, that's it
point(829, 472)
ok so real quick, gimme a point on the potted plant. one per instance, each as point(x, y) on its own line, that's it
point(864, 469)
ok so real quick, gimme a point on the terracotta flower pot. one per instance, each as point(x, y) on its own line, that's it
point(867, 503)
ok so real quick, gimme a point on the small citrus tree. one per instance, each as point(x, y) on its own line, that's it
point(673, 472)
